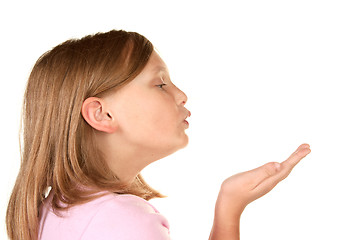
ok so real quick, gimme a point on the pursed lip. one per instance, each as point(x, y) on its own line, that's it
point(185, 121)
point(188, 115)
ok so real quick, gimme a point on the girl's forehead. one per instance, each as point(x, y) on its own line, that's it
point(156, 64)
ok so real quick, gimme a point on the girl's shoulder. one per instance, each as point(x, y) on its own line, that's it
point(125, 202)
point(111, 216)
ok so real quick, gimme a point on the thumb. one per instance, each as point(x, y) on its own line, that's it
point(261, 174)
point(264, 172)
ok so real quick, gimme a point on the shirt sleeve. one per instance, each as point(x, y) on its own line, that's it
point(127, 218)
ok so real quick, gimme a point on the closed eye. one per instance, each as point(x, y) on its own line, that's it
point(161, 85)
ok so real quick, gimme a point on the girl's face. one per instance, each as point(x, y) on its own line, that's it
point(150, 111)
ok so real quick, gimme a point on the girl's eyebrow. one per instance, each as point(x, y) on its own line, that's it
point(162, 80)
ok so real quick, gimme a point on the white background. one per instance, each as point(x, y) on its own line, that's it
point(262, 77)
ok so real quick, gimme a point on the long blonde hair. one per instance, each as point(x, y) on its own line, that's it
point(58, 145)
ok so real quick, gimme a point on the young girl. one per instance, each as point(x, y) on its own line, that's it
point(97, 110)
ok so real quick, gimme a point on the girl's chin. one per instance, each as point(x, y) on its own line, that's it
point(180, 145)
point(184, 142)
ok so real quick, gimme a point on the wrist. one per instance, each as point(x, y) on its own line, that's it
point(227, 232)
point(230, 205)
point(226, 219)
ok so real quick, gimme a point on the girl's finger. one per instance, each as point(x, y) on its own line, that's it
point(287, 165)
point(273, 168)
point(272, 178)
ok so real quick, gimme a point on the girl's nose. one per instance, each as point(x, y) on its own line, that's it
point(181, 97)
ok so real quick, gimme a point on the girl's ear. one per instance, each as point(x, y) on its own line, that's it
point(97, 116)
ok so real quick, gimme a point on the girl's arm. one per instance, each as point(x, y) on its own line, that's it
point(241, 189)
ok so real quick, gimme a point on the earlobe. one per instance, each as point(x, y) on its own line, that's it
point(96, 115)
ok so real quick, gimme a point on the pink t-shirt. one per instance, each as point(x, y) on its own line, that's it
point(120, 217)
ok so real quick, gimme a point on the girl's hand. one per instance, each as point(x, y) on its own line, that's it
point(241, 189)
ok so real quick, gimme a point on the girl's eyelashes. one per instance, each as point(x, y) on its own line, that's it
point(161, 85)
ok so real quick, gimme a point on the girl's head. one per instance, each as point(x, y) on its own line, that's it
point(85, 121)
point(141, 122)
